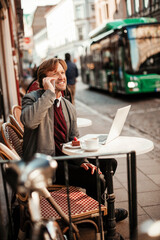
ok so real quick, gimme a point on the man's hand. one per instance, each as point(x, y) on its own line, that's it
point(49, 83)
point(88, 166)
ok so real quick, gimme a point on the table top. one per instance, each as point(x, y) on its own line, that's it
point(83, 122)
point(122, 144)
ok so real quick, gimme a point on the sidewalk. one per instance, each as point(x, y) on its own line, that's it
point(148, 172)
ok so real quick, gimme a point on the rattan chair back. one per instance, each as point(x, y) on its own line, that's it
point(16, 112)
point(7, 154)
point(14, 122)
point(12, 138)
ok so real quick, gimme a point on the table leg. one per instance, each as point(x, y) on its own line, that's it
point(132, 194)
point(68, 200)
point(111, 225)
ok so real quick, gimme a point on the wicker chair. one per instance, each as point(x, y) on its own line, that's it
point(7, 153)
point(12, 138)
point(14, 122)
point(16, 112)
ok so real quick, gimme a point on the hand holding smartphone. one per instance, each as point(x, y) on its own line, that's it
point(49, 83)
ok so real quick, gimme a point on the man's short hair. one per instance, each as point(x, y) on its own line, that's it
point(47, 66)
point(67, 56)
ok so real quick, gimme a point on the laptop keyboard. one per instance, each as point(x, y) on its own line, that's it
point(102, 138)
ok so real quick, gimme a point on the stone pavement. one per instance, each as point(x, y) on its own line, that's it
point(148, 172)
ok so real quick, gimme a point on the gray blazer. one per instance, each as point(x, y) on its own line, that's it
point(38, 119)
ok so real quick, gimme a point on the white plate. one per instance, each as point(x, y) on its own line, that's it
point(69, 145)
point(89, 149)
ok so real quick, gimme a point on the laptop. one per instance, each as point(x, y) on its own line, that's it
point(117, 125)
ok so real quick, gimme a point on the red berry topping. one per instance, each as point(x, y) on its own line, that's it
point(75, 139)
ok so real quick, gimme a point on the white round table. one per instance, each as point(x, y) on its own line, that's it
point(122, 144)
point(83, 122)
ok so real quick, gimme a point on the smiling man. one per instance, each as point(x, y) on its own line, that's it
point(49, 121)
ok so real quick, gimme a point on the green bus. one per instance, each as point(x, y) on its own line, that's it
point(123, 56)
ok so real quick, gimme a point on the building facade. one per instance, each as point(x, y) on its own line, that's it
point(11, 37)
point(109, 10)
point(143, 8)
point(40, 38)
point(68, 30)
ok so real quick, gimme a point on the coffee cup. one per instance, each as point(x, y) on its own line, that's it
point(90, 143)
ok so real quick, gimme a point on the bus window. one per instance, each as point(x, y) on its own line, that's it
point(107, 62)
point(97, 61)
point(120, 67)
point(145, 51)
point(127, 58)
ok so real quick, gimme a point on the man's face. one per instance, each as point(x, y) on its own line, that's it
point(59, 77)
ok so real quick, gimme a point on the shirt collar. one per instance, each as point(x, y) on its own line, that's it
point(58, 104)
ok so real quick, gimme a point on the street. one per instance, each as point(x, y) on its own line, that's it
point(143, 117)
point(142, 121)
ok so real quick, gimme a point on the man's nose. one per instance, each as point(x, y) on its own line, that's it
point(60, 75)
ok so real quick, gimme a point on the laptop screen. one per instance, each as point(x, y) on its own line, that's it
point(117, 125)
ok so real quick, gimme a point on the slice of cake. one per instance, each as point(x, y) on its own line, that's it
point(75, 142)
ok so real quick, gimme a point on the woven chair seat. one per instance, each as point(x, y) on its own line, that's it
point(81, 204)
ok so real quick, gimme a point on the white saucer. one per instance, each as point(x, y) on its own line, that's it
point(69, 145)
point(90, 149)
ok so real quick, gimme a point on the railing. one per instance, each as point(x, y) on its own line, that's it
point(132, 192)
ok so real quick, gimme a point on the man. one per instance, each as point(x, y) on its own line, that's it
point(50, 120)
point(71, 74)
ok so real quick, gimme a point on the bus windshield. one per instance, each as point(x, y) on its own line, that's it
point(143, 52)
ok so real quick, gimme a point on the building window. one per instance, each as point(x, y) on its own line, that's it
point(100, 15)
point(129, 8)
point(107, 10)
point(92, 10)
point(136, 4)
point(92, 7)
point(92, 26)
point(80, 33)
point(116, 6)
point(146, 3)
point(79, 11)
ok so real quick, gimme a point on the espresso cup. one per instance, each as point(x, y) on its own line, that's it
point(91, 143)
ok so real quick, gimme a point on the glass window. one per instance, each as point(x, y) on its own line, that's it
point(144, 44)
point(107, 59)
point(79, 11)
point(100, 15)
point(92, 9)
point(80, 33)
point(92, 26)
point(107, 11)
point(146, 3)
point(136, 6)
point(129, 9)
